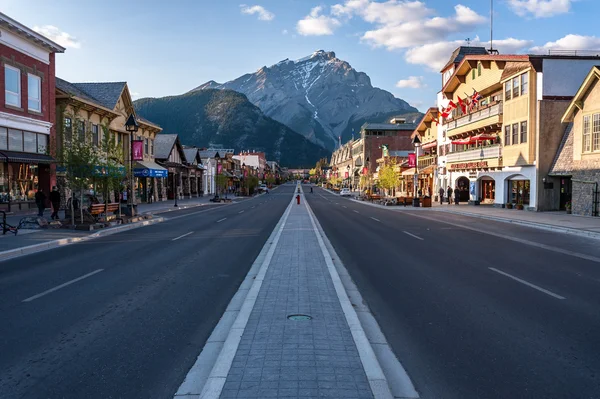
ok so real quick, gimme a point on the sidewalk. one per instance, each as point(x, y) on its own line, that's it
point(291, 337)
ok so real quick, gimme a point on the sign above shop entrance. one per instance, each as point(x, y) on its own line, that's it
point(469, 165)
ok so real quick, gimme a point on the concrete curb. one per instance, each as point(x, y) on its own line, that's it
point(385, 374)
point(31, 249)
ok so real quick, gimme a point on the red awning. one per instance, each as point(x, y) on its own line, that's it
point(483, 137)
point(427, 146)
point(463, 141)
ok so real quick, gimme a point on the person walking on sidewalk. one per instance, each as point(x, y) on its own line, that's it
point(441, 193)
point(40, 201)
point(449, 195)
point(456, 196)
point(55, 200)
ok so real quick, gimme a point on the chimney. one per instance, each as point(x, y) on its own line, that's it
point(398, 121)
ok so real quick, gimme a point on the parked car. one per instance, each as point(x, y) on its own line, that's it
point(263, 188)
point(345, 192)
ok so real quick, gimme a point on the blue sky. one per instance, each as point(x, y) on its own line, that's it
point(166, 48)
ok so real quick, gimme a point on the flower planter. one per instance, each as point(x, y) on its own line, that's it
point(509, 206)
point(519, 207)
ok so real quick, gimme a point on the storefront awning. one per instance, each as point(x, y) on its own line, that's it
point(149, 169)
point(409, 172)
point(432, 144)
point(427, 170)
point(24, 157)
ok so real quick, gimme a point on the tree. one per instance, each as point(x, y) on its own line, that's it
point(221, 182)
point(110, 172)
point(388, 178)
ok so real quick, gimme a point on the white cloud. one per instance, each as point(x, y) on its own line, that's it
point(263, 13)
point(540, 8)
point(58, 36)
point(436, 55)
point(412, 82)
point(316, 24)
point(570, 42)
point(284, 32)
point(135, 94)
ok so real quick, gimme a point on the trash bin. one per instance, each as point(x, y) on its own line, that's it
point(416, 202)
point(426, 202)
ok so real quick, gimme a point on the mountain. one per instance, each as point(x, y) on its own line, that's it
point(319, 96)
point(224, 117)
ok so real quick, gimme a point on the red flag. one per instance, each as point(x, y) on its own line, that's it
point(475, 97)
point(463, 106)
point(434, 119)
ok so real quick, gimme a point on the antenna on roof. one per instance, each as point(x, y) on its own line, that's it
point(468, 40)
point(492, 50)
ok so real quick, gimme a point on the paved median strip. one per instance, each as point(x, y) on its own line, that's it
point(58, 287)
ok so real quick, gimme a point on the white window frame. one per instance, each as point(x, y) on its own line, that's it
point(18, 94)
point(39, 100)
point(587, 133)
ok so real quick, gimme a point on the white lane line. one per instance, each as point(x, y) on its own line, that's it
point(345, 206)
point(58, 287)
point(253, 207)
point(220, 220)
point(412, 235)
point(527, 283)
point(185, 235)
point(241, 211)
point(356, 211)
point(375, 219)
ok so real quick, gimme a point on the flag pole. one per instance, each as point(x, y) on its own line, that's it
point(492, 50)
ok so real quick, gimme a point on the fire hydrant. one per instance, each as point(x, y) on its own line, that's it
point(298, 199)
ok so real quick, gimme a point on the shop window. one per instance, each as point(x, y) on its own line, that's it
point(587, 138)
point(15, 140)
point(515, 133)
point(519, 192)
point(524, 132)
point(95, 135)
point(507, 135)
point(34, 93)
point(516, 90)
point(524, 83)
point(42, 143)
point(12, 86)
point(29, 142)
point(596, 132)
point(507, 90)
point(3, 138)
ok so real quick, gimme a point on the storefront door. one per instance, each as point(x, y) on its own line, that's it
point(518, 191)
point(488, 190)
point(565, 192)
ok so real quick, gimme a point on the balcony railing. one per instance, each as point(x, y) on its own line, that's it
point(426, 160)
point(492, 110)
point(493, 151)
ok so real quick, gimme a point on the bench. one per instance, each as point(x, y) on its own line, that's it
point(374, 197)
point(404, 201)
point(98, 209)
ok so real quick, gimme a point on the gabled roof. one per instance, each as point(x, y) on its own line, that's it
point(191, 154)
point(72, 90)
point(459, 53)
point(204, 154)
point(576, 103)
point(163, 144)
point(31, 35)
point(563, 162)
point(430, 114)
point(107, 93)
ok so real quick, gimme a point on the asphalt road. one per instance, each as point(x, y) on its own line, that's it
point(139, 307)
point(444, 290)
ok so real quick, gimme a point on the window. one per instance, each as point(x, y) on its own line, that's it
point(587, 139)
point(151, 147)
point(473, 74)
point(515, 133)
point(507, 90)
point(479, 69)
point(15, 140)
point(12, 86)
point(524, 132)
point(524, 83)
point(34, 93)
point(29, 142)
point(519, 191)
point(516, 90)
point(68, 129)
point(507, 135)
point(146, 147)
point(596, 132)
point(95, 135)
point(81, 130)
point(42, 143)
point(3, 138)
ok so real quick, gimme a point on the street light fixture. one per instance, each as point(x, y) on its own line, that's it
point(243, 178)
point(416, 142)
point(132, 127)
point(217, 163)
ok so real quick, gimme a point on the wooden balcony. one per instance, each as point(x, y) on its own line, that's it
point(490, 115)
point(426, 160)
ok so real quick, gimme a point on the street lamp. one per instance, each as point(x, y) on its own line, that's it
point(348, 174)
point(416, 142)
point(217, 162)
point(131, 126)
point(243, 178)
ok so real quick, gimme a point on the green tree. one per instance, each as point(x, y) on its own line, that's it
point(221, 183)
point(388, 177)
point(110, 171)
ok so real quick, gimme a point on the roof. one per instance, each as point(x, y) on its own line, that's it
point(389, 126)
point(512, 68)
point(107, 93)
point(563, 162)
point(190, 154)
point(75, 91)
point(587, 84)
point(163, 144)
point(30, 34)
point(459, 53)
point(208, 153)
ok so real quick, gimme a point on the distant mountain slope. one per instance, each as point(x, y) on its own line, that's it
point(227, 118)
point(320, 96)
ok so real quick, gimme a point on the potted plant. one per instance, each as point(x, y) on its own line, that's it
point(568, 207)
point(509, 206)
point(519, 206)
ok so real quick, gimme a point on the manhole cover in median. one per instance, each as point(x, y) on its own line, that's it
point(299, 317)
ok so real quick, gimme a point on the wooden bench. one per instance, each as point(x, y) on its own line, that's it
point(404, 201)
point(98, 209)
point(374, 197)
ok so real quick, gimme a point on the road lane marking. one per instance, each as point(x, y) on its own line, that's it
point(375, 219)
point(253, 207)
point(355, 211)
point(58, 287)
point(345, 206)
point(241, 211)
point(220, 220)
point(412, 235)
point(545, 291)
point(185, 235)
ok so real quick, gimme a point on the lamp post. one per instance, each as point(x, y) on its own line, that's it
point(243, 177)
point(217, 163)
point(416, 142)
point(132, 127)
point(348, 174)
point(175, 187)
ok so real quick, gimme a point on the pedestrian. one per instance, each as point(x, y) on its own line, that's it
point(456, 195)
point(441, 192)
point(420, 192)
point(55, 200)
point(40, 201)
point(311, 190)
point(449, 195)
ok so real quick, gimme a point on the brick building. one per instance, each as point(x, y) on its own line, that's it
point(27, 113)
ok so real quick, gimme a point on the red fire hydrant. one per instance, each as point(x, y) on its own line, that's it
point(298, 199)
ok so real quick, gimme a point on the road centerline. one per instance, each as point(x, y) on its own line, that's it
point(527, 283)
point(375, 219)
point(220, 220)
point(181, 236)
point(58, 287)
point(356, 211)
point(412, 235)
point(242, 211)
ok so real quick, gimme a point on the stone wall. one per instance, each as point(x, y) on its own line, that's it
point(582, 200)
